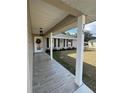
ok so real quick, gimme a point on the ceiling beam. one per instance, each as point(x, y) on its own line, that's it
point(63, 6)
point(65, 22)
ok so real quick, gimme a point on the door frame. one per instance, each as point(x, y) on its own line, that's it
point(35, 44)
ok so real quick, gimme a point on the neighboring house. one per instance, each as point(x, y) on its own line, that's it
point(92, 43)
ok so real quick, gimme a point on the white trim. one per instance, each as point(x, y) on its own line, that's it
point(35, 45)
point(51, 46)
point(64, 38)
point(56, 43)
point(65, 44)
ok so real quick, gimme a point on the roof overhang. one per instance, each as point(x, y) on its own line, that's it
point(60, 15)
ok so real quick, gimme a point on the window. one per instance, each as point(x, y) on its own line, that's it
point(58, 42)
point(54, 42)
point(67, 42)
point(47, 42)
point(71, 42)
point(64, 42)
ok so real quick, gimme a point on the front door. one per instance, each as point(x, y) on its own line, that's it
point(38, 44)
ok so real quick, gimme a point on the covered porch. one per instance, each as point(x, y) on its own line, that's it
point(51, 77)
point(56, 16)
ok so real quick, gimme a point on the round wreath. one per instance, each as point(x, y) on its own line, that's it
point(38, 41)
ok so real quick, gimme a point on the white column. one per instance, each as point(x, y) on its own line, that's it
point(80, 49)
point(71, 43)
point(59, 43)
point(51, 46)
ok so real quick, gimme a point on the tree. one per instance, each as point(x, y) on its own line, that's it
point(75, 35)
point(64, 33)
point(87, 36)
point(67, 33)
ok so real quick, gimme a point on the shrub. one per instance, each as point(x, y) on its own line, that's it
point(48, 51)
point(73, 48)
point(55, 50)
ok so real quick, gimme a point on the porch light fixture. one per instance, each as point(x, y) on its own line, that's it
point(41, 31)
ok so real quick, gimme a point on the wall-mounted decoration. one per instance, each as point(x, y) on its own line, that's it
point(38, 44)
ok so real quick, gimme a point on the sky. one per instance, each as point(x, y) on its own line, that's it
point(91, 27)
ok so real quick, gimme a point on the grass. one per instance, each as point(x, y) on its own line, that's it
point(56, 56)
point(67, 59)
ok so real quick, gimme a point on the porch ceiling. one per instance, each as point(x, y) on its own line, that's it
point(48, 14)
point(87, 7)
point(44, 15)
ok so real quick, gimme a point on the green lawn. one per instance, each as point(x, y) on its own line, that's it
point(57, 57)
point(67, 59)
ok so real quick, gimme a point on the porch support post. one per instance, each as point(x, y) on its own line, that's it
point(80, 49)
point(51, 46)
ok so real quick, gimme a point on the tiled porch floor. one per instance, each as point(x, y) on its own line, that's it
point(50, 77)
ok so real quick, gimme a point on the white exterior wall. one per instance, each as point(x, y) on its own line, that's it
point(91, 44)
point(61, 44)
point(30, 54)
point(44, 44)
point(30, 59)
point(41, 45)
point(75, 43)
point(65, 44)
